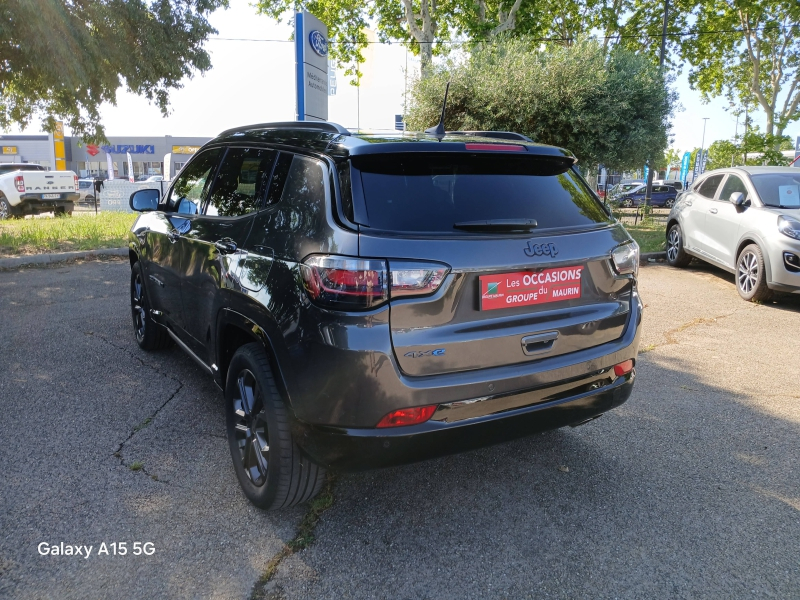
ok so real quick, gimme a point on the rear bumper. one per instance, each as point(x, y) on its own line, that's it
point(353, 449)
point(33, 203)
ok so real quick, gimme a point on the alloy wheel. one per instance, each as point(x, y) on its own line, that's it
point(251, 428)
point(3, 210)
point(137, 307)
point(673, 244)
point(748, 272)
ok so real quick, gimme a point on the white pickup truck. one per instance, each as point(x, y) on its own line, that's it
point(30, 189)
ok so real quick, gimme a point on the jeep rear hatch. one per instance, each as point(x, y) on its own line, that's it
point(528, 247)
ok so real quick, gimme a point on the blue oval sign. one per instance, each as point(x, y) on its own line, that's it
point(318, 43)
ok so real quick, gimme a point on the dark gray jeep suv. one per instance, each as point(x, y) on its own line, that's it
point(372, 300)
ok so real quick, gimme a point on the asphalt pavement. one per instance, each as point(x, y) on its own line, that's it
point(690, 490)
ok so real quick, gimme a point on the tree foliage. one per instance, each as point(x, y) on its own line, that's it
point(61, 59)
point(758, 148)
point(612, 107)
point(753, 57)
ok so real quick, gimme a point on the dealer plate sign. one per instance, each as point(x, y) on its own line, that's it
point(524, 288)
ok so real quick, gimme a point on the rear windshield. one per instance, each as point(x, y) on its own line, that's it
point(431, 192)
point(778, 189)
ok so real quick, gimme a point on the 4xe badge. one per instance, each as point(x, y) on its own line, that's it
point(540, 249)
point(421, 353)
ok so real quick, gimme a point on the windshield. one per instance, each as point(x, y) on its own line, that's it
point(432, 192)
point(778, 189)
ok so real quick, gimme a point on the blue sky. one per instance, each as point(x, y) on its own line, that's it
point(252, 82)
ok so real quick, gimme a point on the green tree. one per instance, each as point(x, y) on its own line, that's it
point(752, 58)
point(723, 153)
point(611, 107)
point(62, 59)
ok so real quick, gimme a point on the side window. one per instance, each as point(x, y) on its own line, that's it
point(304, 183)
point(279, 174)
point(189, 190)
point(732, 184)
point(709, 186)
point(241, 183)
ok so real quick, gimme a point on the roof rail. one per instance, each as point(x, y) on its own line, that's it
point(315, 125)
point(500, 135)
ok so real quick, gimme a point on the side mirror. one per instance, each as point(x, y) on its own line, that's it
point(736, 198)
point(142, 200)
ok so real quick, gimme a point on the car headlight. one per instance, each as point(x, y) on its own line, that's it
point(789, 226)
point(626, 258)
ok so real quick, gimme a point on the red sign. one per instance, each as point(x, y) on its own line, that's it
point(530, 287)
point(92, 149)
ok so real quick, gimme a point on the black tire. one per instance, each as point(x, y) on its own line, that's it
point(676, 255)
point(5, 209)
point(669, 203)
point(149, 334)
point(280, 476)
point(626, 203)
point(61, 211)
point(751, 275)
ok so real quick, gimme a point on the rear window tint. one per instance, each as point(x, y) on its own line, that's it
point(431, 192)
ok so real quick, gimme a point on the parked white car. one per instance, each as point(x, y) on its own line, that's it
point(745, 220)
point(30, 189)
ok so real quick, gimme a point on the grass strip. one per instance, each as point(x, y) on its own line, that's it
point(651, 237)
point(301, 541)
point(21, 237)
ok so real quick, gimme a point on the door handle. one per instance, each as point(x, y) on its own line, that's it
point(688, 203)
point(225, 246)
point(173, 236)
point(713, 211)
point(538, 343)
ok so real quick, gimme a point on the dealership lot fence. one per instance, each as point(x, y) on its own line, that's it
point(116, 193)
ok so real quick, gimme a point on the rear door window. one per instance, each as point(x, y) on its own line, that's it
point(430, 193)
point(241, 183)
point(709, 186)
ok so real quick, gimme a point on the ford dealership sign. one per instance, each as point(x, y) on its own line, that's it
point(318, 43)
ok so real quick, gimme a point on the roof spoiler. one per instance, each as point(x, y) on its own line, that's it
point(500, 135)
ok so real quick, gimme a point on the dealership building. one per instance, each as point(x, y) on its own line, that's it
point(89, 160)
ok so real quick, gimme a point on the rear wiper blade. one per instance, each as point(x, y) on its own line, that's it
point(498, 225)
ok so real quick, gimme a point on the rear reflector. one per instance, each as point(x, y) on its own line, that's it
point(496, 147)
point(623, 368)
point(407, 416)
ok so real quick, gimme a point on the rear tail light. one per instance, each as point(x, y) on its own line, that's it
point(19, 182)
point(76, 182)
point(623, 368)
point(407, 416)
point(626, 258)
point(416, 279)
point(346, 283)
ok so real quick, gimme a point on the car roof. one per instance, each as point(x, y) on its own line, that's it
point(338, 142)
point(755, 170)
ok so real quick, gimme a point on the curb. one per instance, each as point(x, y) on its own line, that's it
point(45, 259)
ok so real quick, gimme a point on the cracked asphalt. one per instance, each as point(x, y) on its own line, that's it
point(690, 490)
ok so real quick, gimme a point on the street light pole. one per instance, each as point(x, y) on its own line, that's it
point(648, 194)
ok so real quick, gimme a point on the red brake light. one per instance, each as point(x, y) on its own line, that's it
point(407, 416)
point(345, 283)
point(496, 147)
point(76, 182)
point(19, 182)
point(623, 368)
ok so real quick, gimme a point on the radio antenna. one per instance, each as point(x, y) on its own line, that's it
point(438, 131)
